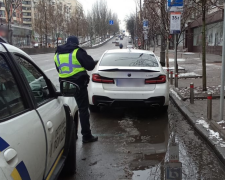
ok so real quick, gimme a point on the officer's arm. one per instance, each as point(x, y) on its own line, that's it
point(56, 67)
point(85, 60)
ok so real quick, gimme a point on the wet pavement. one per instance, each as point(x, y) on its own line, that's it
point(134, 144)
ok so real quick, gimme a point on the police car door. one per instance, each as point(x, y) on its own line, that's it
point(22, 138)
point(49, 108)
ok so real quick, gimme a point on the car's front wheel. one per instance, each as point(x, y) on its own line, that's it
point(94, 108)
point(70, 163)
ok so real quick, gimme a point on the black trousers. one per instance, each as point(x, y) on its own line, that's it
point(83, 105)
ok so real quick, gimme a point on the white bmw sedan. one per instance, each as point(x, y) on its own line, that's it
point(128, 77)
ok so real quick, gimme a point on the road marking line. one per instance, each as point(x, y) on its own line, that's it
point(49, 70)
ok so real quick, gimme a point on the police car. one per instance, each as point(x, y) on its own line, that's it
point(37, 122)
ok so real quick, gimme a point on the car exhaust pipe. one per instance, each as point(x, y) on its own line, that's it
point(155, 105)
point(102, 104)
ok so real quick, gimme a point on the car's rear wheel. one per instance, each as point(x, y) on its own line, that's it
point(164, 109)
point(94, 108)
point(70, 163)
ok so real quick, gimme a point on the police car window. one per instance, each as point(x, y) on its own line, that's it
point(36, 81)
point(10, 97)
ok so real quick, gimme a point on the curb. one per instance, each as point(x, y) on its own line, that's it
point(35, 51)
point(219, 151)
point(184, 98)
point(98, 45)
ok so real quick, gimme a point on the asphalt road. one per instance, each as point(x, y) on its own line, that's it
point(136, 143)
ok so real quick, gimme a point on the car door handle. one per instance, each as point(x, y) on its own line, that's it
point(50, 126)
point(10, 156)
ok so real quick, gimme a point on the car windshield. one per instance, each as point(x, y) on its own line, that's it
point(129, 59)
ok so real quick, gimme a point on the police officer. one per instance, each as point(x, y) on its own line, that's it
point(72, 62)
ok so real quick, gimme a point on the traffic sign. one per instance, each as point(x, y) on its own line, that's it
point(145, 36)
point(174, 171)
point(145, 28)
point(175, 22)
point(145, 23)
point(175, 5)
point(111, 22)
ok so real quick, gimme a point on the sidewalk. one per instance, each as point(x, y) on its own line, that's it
point(213, 131)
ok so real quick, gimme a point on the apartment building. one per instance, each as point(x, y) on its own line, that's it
point(214, 30)
point(26, 13)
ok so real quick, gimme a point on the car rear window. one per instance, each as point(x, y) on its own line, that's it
point(129, 59)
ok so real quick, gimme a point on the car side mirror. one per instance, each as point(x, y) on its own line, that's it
point(69, 89)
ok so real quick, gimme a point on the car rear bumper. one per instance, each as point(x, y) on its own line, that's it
point(106, 101)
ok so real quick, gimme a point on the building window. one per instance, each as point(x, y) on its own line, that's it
point(26, 14)
point(27, 19)
point(26, 8)
point(2, 13)
point(27, 2)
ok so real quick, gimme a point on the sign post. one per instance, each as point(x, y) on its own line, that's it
point(222, 74)
point(175, 18)
point(175, 5)
point(111, 22)
point(145, 32)
point(175, 28)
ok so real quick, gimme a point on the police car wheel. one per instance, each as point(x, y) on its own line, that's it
point(94, 108)
point(70, 164)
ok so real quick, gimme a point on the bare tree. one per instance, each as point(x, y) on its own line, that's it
point(204, 7)
point(10, 7)
point(101, 15)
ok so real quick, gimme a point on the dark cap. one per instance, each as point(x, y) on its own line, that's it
point(72, 40)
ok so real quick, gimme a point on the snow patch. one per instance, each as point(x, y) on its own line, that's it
point(188, 74)
point(188, 53)
point(212, 134)
point(210, 64)
point(221, 122)
point(203, 123)
point(175, 93)
point(181, 60)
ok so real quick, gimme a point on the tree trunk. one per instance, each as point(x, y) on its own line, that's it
point(203, 47)
point(167, 53)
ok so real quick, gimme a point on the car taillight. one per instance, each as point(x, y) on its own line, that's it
point(99, 79)
point(158, 80)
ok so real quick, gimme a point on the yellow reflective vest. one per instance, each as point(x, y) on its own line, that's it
point(68, 64)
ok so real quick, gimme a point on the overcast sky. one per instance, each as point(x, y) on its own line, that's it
point(121, 7)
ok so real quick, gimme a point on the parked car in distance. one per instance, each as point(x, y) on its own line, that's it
point(37, 122)
point(115, 40)
point(128, 77)
point(117, 43)
point(130, 46)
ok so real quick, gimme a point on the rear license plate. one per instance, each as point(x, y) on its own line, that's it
point(130, 82)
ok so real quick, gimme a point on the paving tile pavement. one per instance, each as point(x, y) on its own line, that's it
point(213, 131)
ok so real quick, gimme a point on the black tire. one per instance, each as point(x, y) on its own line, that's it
point(164, 109)
point(70, 163)
point(94, 108)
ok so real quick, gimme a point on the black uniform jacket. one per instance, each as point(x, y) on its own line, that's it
point(85, 60)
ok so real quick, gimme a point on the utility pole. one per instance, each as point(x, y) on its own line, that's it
point(222, 72)
point(46, 26)
point(142, 37)
point(162, 51)
point(136, 43)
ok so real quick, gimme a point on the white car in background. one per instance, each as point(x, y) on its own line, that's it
point(128, 77)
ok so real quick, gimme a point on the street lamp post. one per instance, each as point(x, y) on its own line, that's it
point(222, 72)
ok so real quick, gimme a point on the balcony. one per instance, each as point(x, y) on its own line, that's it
point(27, 22)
